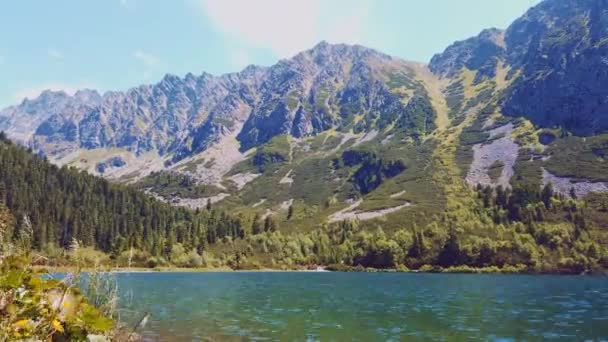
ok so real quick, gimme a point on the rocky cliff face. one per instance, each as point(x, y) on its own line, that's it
point(173, 115)
point(557, 53)
point(481, 53)
point(329, 86)
point(22, 121)
point(561, 48)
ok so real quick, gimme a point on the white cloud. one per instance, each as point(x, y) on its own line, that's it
point(279, 25)
point(35, 91)
point(54, 53)
point(287, 27)
point(146, 58)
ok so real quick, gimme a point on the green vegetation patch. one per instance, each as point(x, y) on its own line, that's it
point(579, 158)
point(495, 170)
point(293, 100)
point(192, 165)
point(276, 151)
point(169, 184)
point(321, 97)
point(455, 98)
point(527, 170)
point(29, 311)
point(314, 182)
point(484, 96)
point(402, 80)
point(370, 170)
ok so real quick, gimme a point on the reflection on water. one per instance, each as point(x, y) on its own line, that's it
point(365, 307)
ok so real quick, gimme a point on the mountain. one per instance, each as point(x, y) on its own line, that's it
point(315, 91)
point(557, 54)
point(481, 54)
point(22, 121)
point(505, 131)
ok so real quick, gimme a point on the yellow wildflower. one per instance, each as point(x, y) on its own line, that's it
point(22, 323)
point(23, 327)
point(57, 325)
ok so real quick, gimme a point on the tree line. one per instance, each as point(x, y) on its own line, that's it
point(523, 227)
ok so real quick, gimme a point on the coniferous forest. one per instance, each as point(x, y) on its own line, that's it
point(53, 206)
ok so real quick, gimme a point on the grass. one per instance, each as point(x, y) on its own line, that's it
point(579, 158)
point(276, 151)
point(169, 184)
point(526, 171)
point(455, 97)
point(312, 179)
point(398, 80)
point(325, 141)
point(495, 170)
point(416, 181)
point(293, 100)
point(87, 158)
point(321, 97)
point(192, 165)
point(597, 203)
point(483, 95)
point(525, 134)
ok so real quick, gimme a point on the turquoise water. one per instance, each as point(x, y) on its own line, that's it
point(366, 306)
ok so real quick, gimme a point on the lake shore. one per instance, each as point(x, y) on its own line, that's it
point(66, 269)
point(332, 268)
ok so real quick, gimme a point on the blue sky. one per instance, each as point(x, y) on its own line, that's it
point(118, 44)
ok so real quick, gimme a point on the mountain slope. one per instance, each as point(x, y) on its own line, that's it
point(56, 206)
point(556, 53)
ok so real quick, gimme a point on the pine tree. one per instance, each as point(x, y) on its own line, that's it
point(269, 224)
point(255, 225)
point(573, 193)
point(290, 212)
point(547, 195)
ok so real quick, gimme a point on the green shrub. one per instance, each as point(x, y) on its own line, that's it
point(34, 308)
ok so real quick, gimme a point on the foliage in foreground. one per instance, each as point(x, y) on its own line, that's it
point(37, 307)
point(44, 309)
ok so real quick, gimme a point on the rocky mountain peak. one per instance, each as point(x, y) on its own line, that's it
point(46, 97)
point(88, 95)
point(322, 88)
point(480, 53)
point(325, 53)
